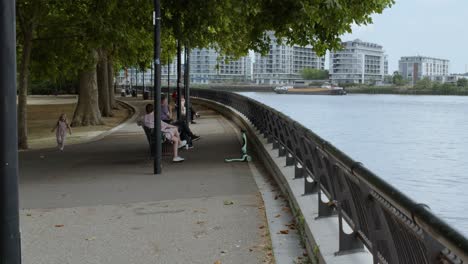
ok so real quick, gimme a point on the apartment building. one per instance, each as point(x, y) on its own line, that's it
point(207, 66)
point(358, 62)
point(284, 64)
point(414, 68)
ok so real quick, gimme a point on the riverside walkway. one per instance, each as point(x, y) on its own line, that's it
point(100, 203)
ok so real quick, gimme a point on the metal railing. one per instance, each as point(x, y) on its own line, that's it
point(393, 227)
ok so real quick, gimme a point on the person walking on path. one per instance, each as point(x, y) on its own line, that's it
point(61, 126)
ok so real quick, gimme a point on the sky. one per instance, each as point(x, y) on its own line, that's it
point(433, 28)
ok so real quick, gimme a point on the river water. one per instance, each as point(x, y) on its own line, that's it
point(419, 144)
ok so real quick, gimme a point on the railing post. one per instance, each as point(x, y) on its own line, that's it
point(290, 159)
point(282, 151)
point(298, 171)
point(348, 243)
point(276, 144)
point(269, 138)
point(310, 185)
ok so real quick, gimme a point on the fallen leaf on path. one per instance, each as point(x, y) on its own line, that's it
point(218, 262)
point(227, 202)
point(28, 214)
point(284, 232)
point(59, 225)
point(276, 197)
point(90, 238)
point(278, 215)
point(261, 227)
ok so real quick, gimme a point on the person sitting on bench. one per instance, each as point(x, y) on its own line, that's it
point(193, 113)
point(184, 130)
point(170, 132)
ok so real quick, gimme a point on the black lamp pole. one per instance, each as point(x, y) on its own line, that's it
point(179, 80)
point(168, 79)
point(10, 245)
point(187, 85)
point(157, 86)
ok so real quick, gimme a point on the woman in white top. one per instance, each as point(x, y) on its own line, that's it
point(170, 132)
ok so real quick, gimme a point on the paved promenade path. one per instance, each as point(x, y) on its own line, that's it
point(100, 203)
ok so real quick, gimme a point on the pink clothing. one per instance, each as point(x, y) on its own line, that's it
point(148, 120)
point(168, 130)
point(61, 133)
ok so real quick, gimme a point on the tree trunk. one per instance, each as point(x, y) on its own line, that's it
point(87, 110)
point(110, 82)
point(103, 84)
point(23, 88)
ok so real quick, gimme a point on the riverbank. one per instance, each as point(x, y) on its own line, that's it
point(43, 112)
point(406, 91)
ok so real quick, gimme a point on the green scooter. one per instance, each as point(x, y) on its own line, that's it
point(245, 156)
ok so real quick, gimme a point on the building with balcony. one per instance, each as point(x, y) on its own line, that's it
point(284, 64)
point(358, 62)
point(207, 66)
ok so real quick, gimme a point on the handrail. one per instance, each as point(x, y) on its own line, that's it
point(391, 225)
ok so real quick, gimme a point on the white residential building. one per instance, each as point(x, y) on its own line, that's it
point(284, 64)
point(134, 77)
point(206, 66)
point(358, 62)
point(415, 68)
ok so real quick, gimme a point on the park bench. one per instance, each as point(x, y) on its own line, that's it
point(166, 144)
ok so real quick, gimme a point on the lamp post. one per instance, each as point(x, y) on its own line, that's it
point(168, 79)
point(157, 86)
point(10, 245)
point(187, 85)
point(179, 79)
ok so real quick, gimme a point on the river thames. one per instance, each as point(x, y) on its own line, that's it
point(419, 144)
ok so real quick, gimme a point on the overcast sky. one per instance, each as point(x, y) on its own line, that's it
point(433, 28)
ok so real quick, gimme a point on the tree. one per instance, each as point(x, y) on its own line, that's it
point(463, 82)
point(424, 83)
point(314, 74)
point(81, 34)
point(29, 15)
point(397, 79)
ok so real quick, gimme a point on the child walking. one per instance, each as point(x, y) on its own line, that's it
point(61, 127)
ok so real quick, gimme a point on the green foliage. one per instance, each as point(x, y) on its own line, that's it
point(397, 79)
point(388, 79)
point(317, 23)
point(70, 30)
point(424, 83)
point(314, 74)
point(462, 82)
point(50, 88)
point(234, 27)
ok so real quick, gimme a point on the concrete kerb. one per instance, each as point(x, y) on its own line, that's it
point(321, 236)
point(131, 119)
point(135, 113)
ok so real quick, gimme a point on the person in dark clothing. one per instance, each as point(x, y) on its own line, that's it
point(184, 130)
